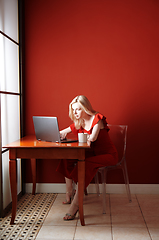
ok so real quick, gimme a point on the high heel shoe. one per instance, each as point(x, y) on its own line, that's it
point(69, 217)
point(69, 201)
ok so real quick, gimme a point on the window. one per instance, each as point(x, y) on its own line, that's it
point(9, 93)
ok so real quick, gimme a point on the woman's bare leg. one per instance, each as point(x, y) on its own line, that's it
point(73, 207)
point(68, 190)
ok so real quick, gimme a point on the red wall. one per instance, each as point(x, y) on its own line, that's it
point(106, 50)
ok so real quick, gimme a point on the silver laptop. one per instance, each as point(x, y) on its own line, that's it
point(47, 129)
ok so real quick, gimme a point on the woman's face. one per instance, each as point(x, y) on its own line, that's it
point(77, 110)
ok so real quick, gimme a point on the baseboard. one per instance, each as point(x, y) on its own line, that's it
point(111, 188)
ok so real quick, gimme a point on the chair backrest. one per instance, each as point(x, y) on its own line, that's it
point(118, 135)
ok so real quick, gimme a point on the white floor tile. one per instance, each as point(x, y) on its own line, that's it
point(152, 221)
point(131, 221)
point(93, 233)
point(154, 232)
point(130, 234)
point(128, 220)
point(56, 232)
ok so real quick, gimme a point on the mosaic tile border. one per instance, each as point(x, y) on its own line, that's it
point(31, 213)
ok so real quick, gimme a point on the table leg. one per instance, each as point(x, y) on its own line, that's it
point(33, 170)
point(81, 182)
point(13, 185)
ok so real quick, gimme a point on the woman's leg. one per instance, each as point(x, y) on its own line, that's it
point(68, 190)
point(73, 207)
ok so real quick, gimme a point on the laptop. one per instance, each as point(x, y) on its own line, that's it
point(47, 129)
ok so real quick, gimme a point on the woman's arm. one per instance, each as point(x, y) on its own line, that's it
point(95, 131)
point(64, 132)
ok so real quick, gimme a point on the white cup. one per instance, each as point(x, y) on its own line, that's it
point(82, 137)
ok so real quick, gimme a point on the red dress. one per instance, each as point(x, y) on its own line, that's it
point(102, 153)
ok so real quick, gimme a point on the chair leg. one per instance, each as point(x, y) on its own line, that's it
point(85, 192)
point(125, 173)
point(97, 183)
point(103, 174)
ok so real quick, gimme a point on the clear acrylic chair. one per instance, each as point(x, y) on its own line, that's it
point(118, 135)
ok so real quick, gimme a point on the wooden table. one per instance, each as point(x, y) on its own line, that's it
point(29, 148)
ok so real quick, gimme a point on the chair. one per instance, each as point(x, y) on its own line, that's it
point(118, 135)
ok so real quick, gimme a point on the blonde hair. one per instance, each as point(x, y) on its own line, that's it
point(85, 105)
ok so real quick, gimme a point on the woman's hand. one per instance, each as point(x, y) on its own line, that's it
point(88, 142)
point(63, 135)
point(64, 132)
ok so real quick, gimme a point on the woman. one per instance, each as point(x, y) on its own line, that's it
point(102, 152)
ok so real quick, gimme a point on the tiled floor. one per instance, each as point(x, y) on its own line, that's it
point(30, 215)
point(138, 220)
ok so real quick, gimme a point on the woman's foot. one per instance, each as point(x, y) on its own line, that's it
point(68, 198)
point(71, 212)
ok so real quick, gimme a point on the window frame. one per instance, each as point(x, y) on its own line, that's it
point(21, 69)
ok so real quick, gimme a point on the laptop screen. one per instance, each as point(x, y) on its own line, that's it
point(46, 128)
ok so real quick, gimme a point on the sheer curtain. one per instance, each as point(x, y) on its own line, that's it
point(9, 92)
